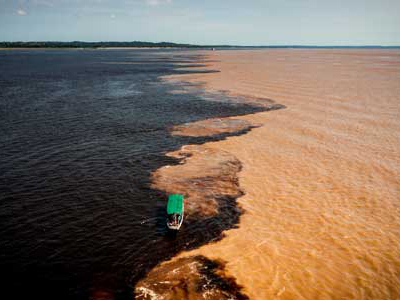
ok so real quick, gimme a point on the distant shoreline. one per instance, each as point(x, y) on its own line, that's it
point(196, 49)
point(166, 45)
point(103, 48)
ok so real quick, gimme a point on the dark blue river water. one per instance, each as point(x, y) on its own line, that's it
point(80, 133)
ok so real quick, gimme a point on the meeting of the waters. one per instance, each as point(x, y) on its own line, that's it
point(81, 133)
point(299, 203)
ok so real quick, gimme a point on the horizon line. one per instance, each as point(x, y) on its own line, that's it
point(208, 45)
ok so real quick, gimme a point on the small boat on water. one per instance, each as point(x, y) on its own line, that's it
point(175, 210)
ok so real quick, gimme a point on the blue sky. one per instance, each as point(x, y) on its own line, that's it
point(247, 22)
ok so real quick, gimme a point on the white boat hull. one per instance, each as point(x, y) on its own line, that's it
point(177, 226)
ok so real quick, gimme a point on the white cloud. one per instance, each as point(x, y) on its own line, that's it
point(157, 2)
point(113, 16)
point(21, 12)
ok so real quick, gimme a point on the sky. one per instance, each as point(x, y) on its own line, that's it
point(234, 22)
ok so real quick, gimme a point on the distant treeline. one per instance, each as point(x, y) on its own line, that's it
point(78, 44)
point(138, 44)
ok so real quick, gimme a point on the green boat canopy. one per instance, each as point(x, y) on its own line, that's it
point(175, 203)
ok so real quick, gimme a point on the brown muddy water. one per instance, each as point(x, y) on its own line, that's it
point(321, 177)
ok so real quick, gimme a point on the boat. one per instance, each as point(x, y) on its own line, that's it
point(175, 210)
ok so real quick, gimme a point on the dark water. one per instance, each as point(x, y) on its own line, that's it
point(80, 133)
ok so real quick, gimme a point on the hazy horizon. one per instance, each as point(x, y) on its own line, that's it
point(216, 45)
point(251, 23)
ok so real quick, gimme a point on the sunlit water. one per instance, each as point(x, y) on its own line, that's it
point(322, 177)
